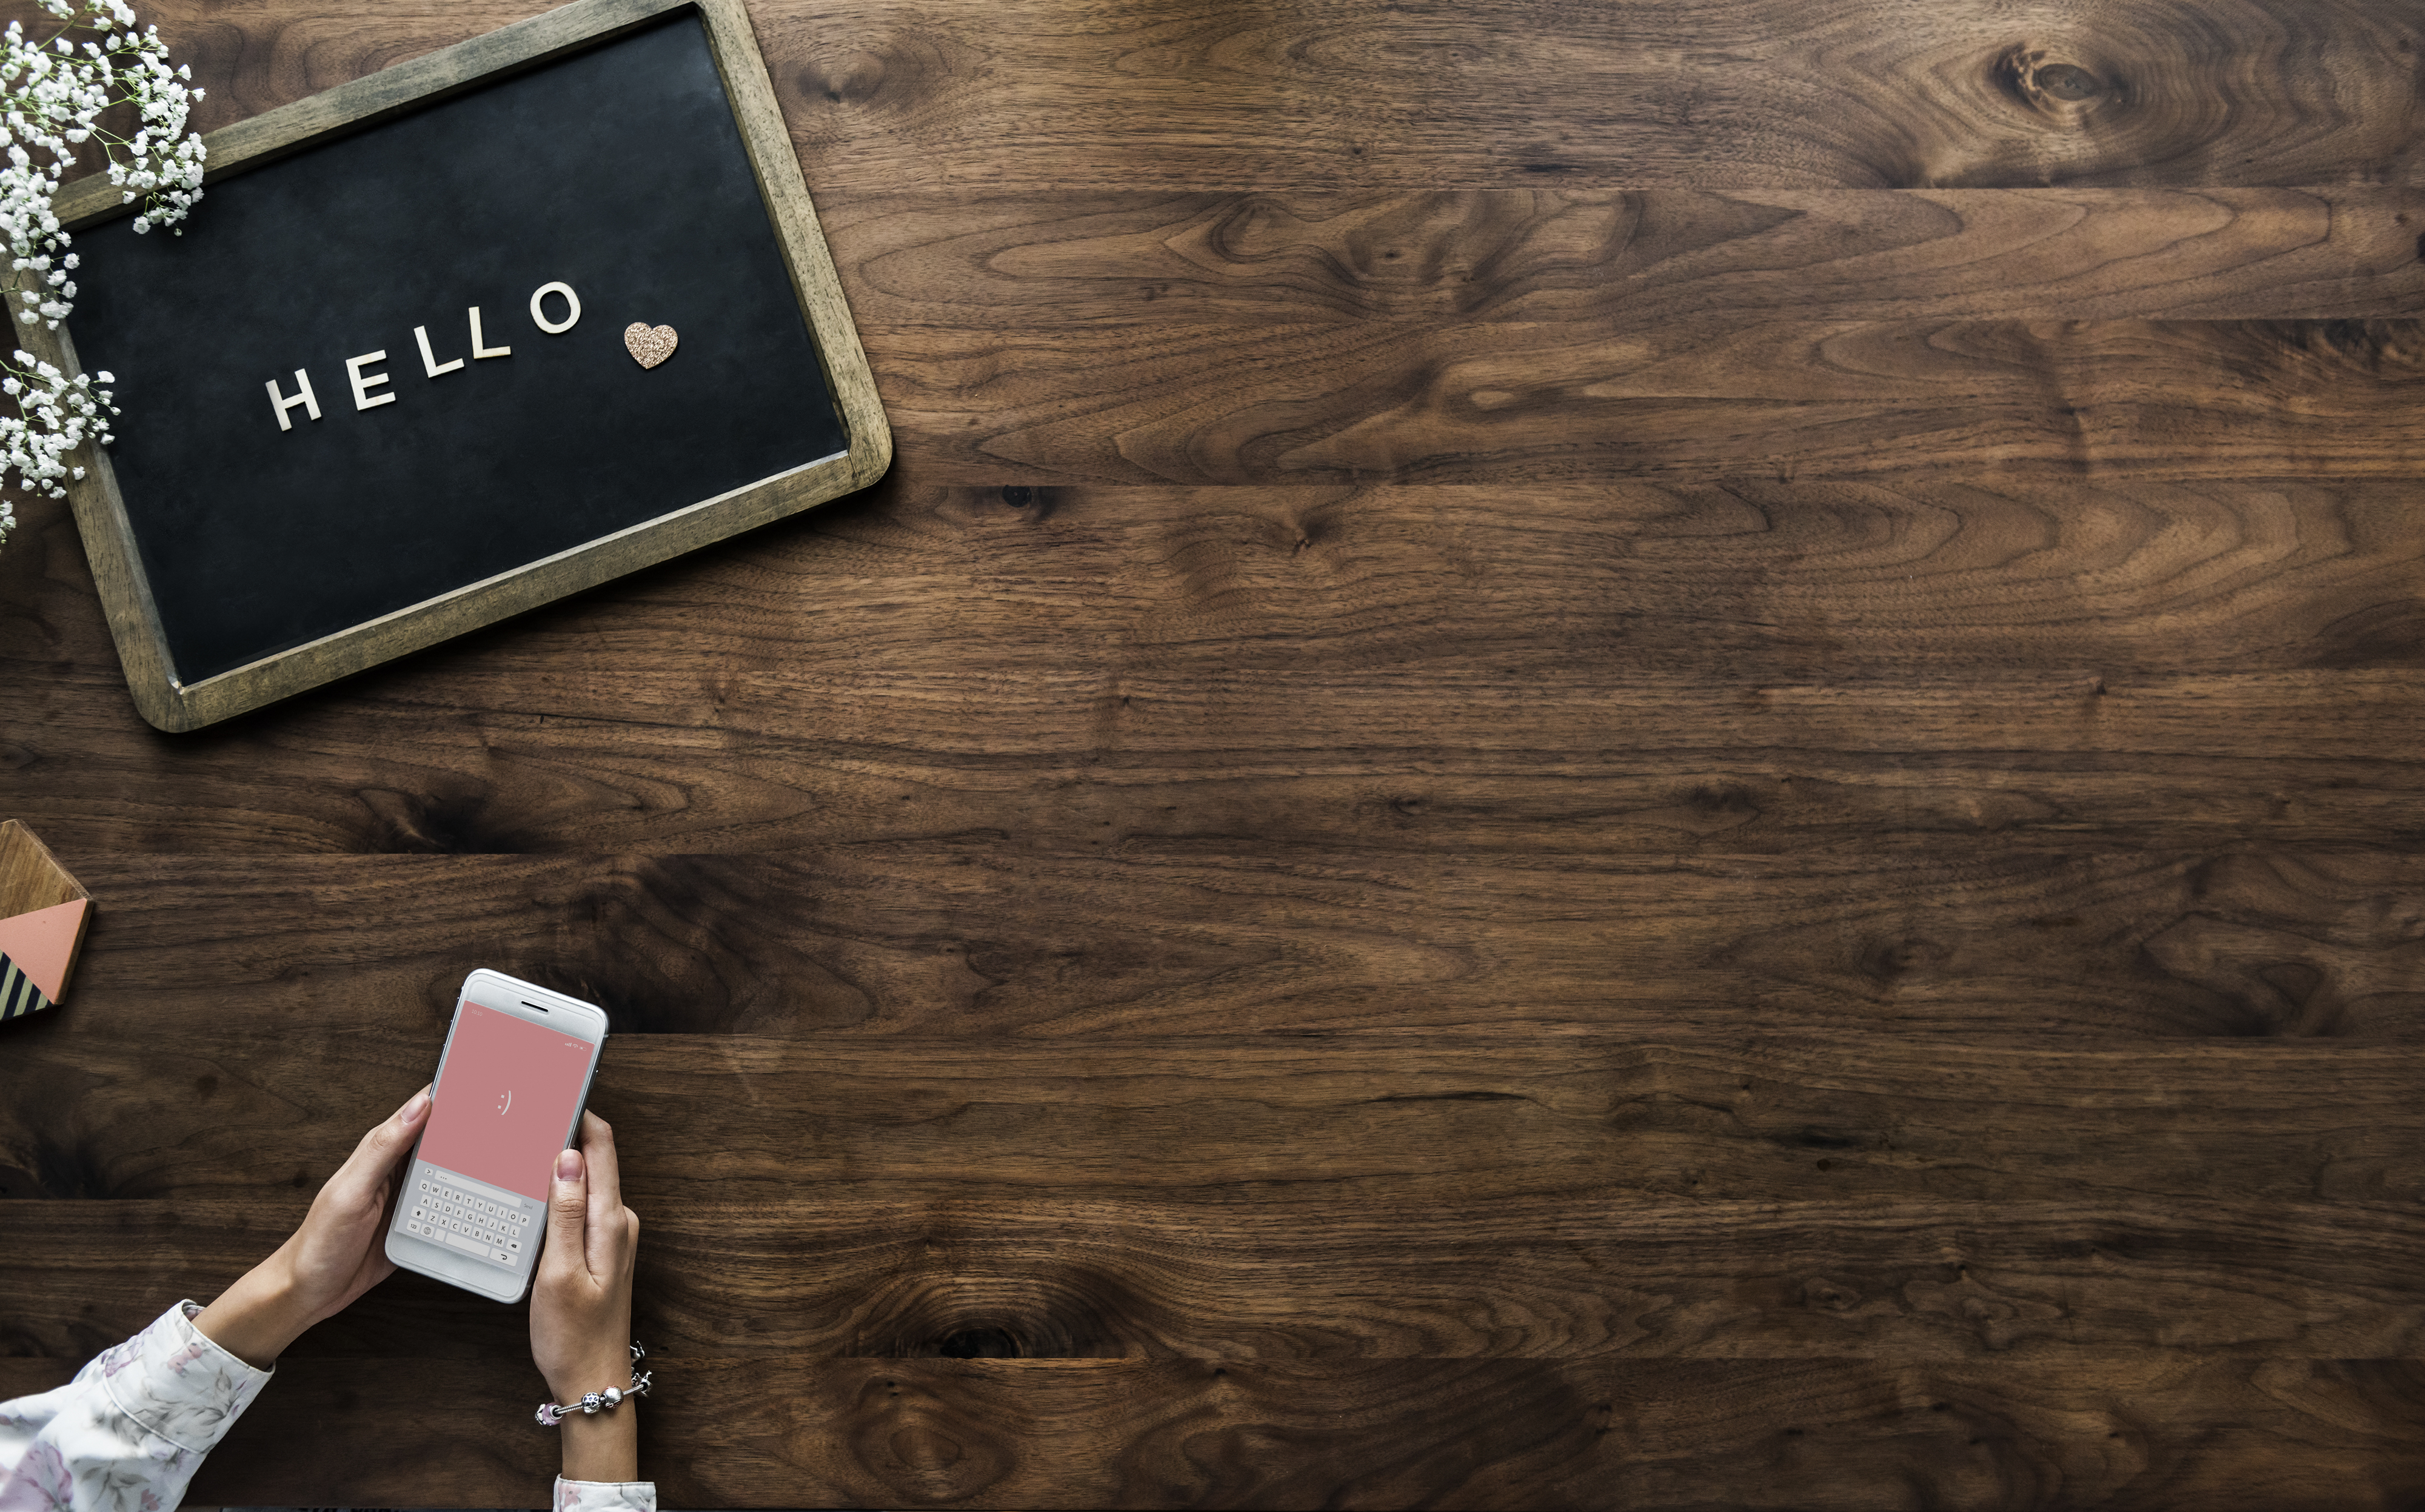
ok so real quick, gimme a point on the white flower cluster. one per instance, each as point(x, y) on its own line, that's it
point(52, 94)
point(54, 416)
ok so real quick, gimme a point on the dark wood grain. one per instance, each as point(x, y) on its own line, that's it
point(1230, 403)
point(235, 1112)
point(928, 1269)
point(2215, 662)
point(1772, 93)
point(1656, 755)
point(1009, 260)
point(2114, 1431)
point(980, 934)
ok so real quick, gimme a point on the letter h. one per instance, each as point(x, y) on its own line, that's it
point(282, 403)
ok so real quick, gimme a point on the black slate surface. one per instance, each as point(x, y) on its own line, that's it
point(620, 171)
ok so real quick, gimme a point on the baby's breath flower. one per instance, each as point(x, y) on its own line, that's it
point(52, 97)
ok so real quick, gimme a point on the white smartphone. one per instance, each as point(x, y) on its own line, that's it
point(511, 1082)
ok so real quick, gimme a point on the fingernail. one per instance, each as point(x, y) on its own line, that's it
point(568, 1166)
point(414, 1109)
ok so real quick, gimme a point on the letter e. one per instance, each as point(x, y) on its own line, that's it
point(363, 382)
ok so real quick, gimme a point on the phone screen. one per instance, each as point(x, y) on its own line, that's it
point(504, 1101)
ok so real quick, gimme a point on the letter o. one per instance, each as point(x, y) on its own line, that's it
point(573, 303)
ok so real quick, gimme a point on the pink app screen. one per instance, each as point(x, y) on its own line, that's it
point(504, 1100)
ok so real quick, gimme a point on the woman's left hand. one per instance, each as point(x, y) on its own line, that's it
point(334, 1257)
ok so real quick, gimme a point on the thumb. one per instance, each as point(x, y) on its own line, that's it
point(568, 1209)
point(357, 1181)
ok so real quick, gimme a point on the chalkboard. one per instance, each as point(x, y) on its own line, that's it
point(388, 386)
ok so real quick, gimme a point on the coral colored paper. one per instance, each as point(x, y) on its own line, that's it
point(42, 943)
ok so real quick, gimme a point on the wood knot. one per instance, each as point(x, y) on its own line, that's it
point(2051, 88)
point(2066, 81)
point(1888, 961)
point(852, 79)
point(978, 1344)
point(1034, 505)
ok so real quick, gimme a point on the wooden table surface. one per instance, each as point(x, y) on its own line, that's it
point(1653, 754)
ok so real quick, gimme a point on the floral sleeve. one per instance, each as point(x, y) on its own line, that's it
point(131, 1429)
point(605, 1496)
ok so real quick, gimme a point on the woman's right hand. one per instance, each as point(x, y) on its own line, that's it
point(581, 1305)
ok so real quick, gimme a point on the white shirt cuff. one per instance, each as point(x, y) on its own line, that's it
point(176, 1383)
point(605, 1496)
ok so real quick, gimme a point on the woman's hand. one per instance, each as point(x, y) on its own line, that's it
point(333, 1258)
point(581, 1305)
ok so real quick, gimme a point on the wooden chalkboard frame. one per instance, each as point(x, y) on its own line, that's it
point(99, 508)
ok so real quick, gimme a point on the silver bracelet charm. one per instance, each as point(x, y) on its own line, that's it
point(551, 1413)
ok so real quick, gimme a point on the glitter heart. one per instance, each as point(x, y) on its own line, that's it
point(650, 348)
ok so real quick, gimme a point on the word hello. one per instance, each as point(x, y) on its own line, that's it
point(363, 382)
